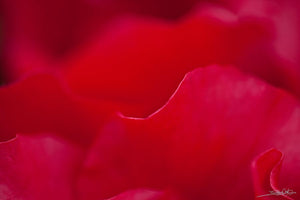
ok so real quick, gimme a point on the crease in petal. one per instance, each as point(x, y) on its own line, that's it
point(265, 170)
point(199, 142)
point(154, 56)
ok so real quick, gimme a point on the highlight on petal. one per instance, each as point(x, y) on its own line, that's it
point(218, 120)
point(38, 167)
point(40, 103)
point(284, 17)
point(201, 143)
point(266, 168)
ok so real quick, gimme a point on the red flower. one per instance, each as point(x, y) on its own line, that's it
point(201, 107)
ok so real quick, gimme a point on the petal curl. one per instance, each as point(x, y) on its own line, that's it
point(56, 27)
point(140, 63)
point(201, 143)
point(266, 170)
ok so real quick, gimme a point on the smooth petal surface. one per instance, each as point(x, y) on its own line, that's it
point(266, 170)
point(220, 37)
point(38, 34)
point(139, 195)
point(34, 168)
point(143, 194)
point(40, 103)
point(58, 26)
point(201, 143)
point(140, 63)
point(285, 17)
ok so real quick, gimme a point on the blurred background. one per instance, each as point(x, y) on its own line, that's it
point(55, 28)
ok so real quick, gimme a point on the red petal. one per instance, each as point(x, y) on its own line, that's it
point(41, 104)
point(217, 121)
point(145, 195)
point(138, 195)
point(57, 26)
point(284, 17)
point(265, 174)
point(34, 168)
point(201, 143)
point(139, 64)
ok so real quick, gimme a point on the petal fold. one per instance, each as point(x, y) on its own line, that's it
point(266, 170)
point(153, 57)
point(202, 141)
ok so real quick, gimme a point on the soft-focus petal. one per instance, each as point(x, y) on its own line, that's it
point(202, 142)
point(218, 37)
point(217, 121)
point(40, 103)
point(35, 168)
point(285, 18)
point(37, 34)
point(140, 63)
point(142, 194)
point(59, 25)
point(139, 195)
point(266, 170)
point(283, 14)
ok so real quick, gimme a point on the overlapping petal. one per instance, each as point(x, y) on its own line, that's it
point(38, 167)
point(146, 49)
point(58, 26)
point(140, 63)
point(284, 15)
point(41, 103)
point(266, 169)
point(143, 194)
point(201, 143)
